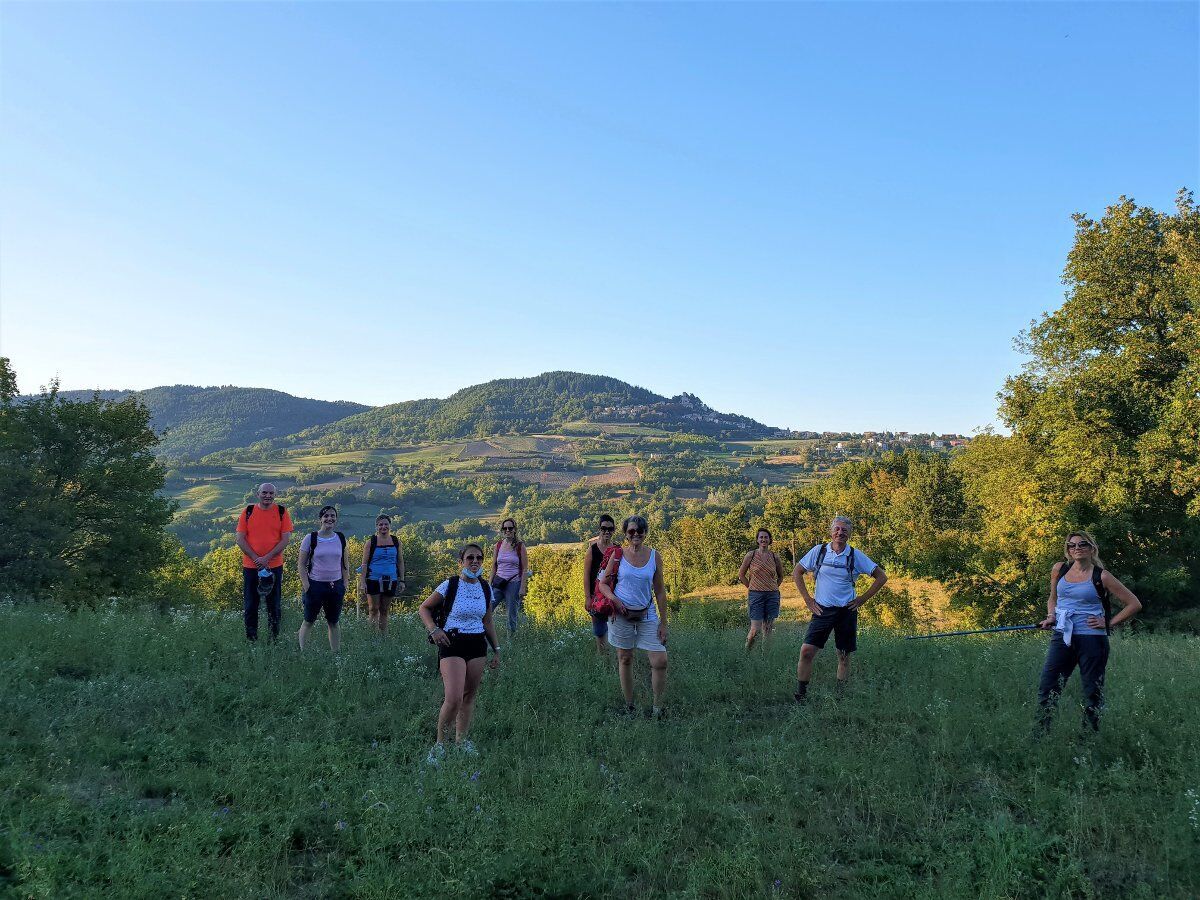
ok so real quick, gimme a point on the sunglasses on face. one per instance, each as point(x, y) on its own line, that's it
point(608, 529)
point(508, 528)
point(1079, 545)
point(635, 531)
point(471, 557)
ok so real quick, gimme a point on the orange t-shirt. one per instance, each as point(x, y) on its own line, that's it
point(264, 529)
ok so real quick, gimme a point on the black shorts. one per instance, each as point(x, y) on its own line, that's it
point(464, 646)
point(375, 589)
point(324, 596)
point(841, 621)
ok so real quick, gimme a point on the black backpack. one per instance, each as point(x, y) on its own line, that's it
point(442, 614)
point(821, 559)
point(279, 506)
point(312, 550)
point(1098, 584)
point(375, 543)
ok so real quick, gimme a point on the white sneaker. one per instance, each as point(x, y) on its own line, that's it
point(436, 754)
point(467, 747)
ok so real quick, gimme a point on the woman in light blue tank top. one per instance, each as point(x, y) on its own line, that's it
point(1076, 612)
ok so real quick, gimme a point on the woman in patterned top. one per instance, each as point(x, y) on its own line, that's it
point(762, 573)
point(462, 641)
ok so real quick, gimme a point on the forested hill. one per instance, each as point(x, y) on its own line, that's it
point(198, 420)
point(547, 402)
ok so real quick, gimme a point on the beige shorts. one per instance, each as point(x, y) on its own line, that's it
point(626, 635)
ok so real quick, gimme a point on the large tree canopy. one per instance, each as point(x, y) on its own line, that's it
point(82, 515)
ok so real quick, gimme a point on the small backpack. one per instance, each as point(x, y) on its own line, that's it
point(371, 553)
point(821, 559)
point(599, 605)
point(1098, 584)
point(279, 506)
point(441, 615)
point(312, 551)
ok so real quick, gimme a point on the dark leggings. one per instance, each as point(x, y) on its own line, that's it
point(1090, 653)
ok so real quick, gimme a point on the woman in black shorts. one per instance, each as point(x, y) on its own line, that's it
point(382, 574)
point(458, 618)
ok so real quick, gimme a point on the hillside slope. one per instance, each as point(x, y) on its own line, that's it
point(543, 403)
point(197, 420)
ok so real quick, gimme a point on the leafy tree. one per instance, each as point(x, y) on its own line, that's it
point(83, 517)
point(1105, 416)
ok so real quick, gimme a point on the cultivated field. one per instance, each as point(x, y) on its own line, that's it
point(148, 756)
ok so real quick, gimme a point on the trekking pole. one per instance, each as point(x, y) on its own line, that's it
point(921, 637)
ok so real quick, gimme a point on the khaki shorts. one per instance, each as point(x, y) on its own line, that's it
point(626, 635)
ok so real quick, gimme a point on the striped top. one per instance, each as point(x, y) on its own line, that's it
point(763, 574)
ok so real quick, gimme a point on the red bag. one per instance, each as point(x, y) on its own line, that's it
point(600, 605)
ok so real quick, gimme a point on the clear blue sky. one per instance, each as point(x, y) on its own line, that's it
point(828, 216)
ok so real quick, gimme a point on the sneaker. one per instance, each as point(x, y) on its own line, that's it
point(801, 698)
point(627, 712)
point(467, 747)
point(437, 753)
point(658, 713)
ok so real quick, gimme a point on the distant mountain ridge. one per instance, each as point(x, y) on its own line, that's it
point(542, 403)
point(195, 420)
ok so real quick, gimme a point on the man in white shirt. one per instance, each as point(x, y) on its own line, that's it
point(835, 567)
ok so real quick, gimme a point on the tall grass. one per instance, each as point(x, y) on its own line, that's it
point(151, 757)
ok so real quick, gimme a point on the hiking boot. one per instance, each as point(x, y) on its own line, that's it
point(629, 711)
point(658, 713)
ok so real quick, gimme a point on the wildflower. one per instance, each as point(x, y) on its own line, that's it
point(475, 777)
point(340, 825)
point(324, 804)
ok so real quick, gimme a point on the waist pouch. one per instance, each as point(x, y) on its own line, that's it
point(635, 615)
point(500, 583)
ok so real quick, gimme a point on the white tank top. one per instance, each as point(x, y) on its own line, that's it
point(635, 586)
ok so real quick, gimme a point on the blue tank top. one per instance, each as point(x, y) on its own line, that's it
point(383, 563)
point(1080, 601)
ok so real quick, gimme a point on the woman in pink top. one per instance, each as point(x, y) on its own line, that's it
point(510, 572)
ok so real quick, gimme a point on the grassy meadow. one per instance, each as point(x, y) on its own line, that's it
point(150, 756)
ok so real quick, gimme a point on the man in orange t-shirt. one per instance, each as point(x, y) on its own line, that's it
point(263, 530)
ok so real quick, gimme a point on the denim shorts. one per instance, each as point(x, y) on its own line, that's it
point(599, 625)
point(764, 605)
point(324, 596)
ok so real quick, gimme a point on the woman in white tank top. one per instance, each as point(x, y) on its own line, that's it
point(640, 618)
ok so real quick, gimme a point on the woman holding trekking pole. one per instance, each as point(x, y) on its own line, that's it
point(381, 577)
point(1078, 611)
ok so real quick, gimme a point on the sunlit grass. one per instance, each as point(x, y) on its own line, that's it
point(149, 757)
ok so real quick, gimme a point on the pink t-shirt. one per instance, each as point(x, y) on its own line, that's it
point(508, 562)
point(327, 560)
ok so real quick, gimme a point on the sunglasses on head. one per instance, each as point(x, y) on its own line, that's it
point(1079, 545)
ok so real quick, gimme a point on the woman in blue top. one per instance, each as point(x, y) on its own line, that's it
point(382, 574)
point(1075, 610)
